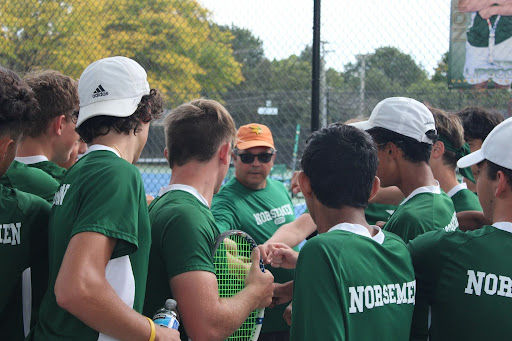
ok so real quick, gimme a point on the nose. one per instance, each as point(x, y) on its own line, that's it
point(256, 162)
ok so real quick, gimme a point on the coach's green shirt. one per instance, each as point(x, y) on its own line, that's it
point(183, 232)
point(378, 212)
point(466, 279)
point(39, 161)
point(23, 236)
point(102, 193)
point(425, 209)
point(478, 30)
point(259, 213)
point(463, 199)
point(30, 180)
point(352, 286)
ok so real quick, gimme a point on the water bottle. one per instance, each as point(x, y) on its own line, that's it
point(168, 315)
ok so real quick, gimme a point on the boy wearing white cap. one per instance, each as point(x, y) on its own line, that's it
point(99, 231)
point(466, 277)
point(404, 131)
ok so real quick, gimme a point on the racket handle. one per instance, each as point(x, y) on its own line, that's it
point(262, 267)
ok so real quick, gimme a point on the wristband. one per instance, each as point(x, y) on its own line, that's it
point(153, 331)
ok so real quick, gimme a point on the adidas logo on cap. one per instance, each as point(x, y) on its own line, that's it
point(99, 92)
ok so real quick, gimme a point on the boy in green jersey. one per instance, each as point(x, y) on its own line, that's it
point(443, 161)
point(465, 277)
point(404, 131)
point(23, 220)
point(51, 136)
point(352, 272)
point(99, 232)
point(199, 136)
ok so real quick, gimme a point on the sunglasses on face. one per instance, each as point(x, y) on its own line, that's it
point(249, 158)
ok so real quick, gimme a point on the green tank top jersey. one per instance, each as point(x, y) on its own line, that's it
point(350, 286)
point(57, 172)
point(421, 212)
point(259, 213)
point(30, 180)
point(466, 279)
point(478, 32)
point(23, 235)
point(465, 200)
point(378, 212)
point(102, 193)
point(183, 231)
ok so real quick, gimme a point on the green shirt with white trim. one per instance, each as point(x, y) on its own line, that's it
point(183, 231)
point(352, 286)
point(102, 193)
point(466, 279)
point(425, 209)
point(463, 199)
point(42, 162)
point(23, 236)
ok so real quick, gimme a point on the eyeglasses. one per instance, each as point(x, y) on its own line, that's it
point(249, 158)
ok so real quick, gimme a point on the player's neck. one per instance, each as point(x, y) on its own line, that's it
point(328, 217)
point(447, 179)
point(200, 175)
point(413, 176)
point(126, 145)
point(31, 146)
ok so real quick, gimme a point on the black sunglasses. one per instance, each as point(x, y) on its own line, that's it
point(249, 158)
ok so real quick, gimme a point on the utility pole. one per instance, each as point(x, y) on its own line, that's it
point(315, 82)
point(362, 74)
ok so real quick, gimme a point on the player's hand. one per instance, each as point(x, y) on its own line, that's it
point(380, 223)
point(166, 334)
point(283, 293)
point(294, 183)
point(264, 252)
point(287, 315)
point(282, 256)
point(261, 283)
point(149, 199)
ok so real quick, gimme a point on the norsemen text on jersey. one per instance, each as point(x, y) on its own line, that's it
point(10, 233)
point(380, 295)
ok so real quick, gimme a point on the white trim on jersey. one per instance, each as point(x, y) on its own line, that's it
point(29, 160)
point(184, 188)
point(26, 299)
point(360, 230)
point(456, 189)
point(425, 189)
point(504, 226)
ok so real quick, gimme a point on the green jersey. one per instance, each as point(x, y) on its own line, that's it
point(259, 213)
point(466, 279)
point(478, 30)
point(39, 161)
point(425, 209)
point(102, 193)
point(30, 180)
point(463, 199)
point(352, 286)
point(183, 232)
point(378, 212)
point(23, 235)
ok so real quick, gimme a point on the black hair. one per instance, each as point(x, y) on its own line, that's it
point(341, 162)
point(149, 108)
point(414, 151)
point(478, 122)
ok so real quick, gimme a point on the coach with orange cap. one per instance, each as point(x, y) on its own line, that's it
point(258, 205)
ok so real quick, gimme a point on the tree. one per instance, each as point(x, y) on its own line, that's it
point(441, 70)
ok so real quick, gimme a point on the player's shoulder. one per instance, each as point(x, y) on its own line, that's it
point(180, 206)
point(439, 240)
point(29, 204)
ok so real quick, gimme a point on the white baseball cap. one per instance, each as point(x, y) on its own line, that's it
point(402, 115)
point(496, 148)
point(112, 87)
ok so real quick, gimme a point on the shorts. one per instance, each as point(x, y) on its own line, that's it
point(477, 68)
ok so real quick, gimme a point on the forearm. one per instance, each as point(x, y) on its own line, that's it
point(505, 10)
point(292, 234)
point(476, 5)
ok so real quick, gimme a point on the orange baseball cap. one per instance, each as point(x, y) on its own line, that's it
point(254, 135)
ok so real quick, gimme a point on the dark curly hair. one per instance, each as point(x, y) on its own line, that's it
point(56, 94)
point(18, 105)
point(150, 108)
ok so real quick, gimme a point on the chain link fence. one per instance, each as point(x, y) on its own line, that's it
point(252, 56)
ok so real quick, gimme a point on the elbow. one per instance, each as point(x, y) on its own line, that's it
point(71, 295)
point(208, 335)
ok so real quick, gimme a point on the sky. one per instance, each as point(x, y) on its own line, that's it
point(417, 27)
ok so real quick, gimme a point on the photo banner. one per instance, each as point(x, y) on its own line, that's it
point(480, 55)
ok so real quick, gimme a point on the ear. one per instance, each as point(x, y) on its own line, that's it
point(437, 150)
point(166, 154)
point(305, 185)
point(502, 185)
point(56, 124)
point(5, 143)
point(375, 188)
point(225, 153)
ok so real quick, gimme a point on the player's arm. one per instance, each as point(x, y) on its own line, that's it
point(504, 9)
point(83, 290)
point(471, 220)
point(475, 5)
point(293, 233)
point(205, 315)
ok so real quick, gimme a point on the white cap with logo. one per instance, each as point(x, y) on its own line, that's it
point(111, 87)
point(401, 115)
point(496, 148)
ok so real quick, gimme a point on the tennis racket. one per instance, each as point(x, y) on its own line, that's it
point(232, 259)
